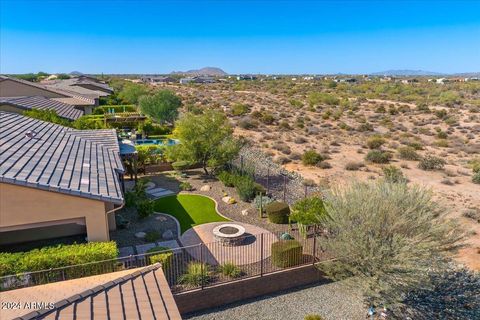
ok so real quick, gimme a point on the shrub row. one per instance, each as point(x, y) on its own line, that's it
point(56, 257)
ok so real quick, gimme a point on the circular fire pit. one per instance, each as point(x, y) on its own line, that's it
point(229, 234)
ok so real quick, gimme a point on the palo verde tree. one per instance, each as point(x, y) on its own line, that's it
point(206, 139)
point(386, 237)
point(131, 92)
point(309, 211)
point(162, 106)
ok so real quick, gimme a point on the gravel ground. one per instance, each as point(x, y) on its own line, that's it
point(159, 223)
point(232, 211)
point(333, 301)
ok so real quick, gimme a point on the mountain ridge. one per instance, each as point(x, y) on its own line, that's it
point(205, 71)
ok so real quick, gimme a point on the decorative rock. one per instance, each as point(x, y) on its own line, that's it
point(150, 185)
point(167, 235)
point(226, 199)
point(140, 235)
point(161, 218)
point(205, 188)
point(245, 212)
point(286, 236)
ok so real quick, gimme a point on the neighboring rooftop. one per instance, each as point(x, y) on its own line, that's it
point(64, 110)
point(59, 93)
point(130, 294)
point(48, 156)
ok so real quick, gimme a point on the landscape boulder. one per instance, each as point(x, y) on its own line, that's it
point(205, 188)
point(167, 235)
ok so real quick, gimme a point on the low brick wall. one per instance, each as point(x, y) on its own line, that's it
point(226, 293)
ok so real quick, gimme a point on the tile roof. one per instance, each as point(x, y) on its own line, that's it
point(48, 156)
point(65, 93)
point(139, 294)
point(64, 110)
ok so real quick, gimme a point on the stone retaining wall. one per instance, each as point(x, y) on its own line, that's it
point(226, 293)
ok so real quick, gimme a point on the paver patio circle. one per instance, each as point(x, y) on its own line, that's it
point(215, 253)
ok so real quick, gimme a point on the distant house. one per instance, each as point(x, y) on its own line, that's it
point(12, 87)
point(198, 79)
point(409, 81)
point(21, 104)
point(57, 181)
point(442, 80)
point(348, 80)
point(155, 80)
point(246, 77)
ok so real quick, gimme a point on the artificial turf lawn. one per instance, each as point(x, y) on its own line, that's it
point(190, 210)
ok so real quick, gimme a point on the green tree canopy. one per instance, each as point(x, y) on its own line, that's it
point(131, 93)
point(309, 211)
point(206, 139)
point(162, 106)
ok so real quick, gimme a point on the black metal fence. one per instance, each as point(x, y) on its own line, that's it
point(198, 266)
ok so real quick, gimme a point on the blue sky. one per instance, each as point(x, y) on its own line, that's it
point(239, 36)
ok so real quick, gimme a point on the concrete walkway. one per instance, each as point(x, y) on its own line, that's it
point(143, 248)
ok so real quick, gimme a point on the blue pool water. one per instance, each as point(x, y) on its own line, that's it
point(160, 142)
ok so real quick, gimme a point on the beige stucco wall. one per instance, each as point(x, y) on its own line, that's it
point(25, 207)
point(9, 88)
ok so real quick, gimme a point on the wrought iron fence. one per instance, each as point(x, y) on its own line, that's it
point(198, 266)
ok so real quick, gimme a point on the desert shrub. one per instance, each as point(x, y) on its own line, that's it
point(181, 165)
point(393, 174)
point(59, 256)
point(197, 273)
point(311, 158)
point(378, 156)
point(475, 164)
point(375, 142)
point(226, 178)
point(246, 188)
point(264, 199)
point(152, 236)
point(267, 118)
point(476, 178)
point(408, 233)
point(408, 153)
point(229, 269)
point(247, 123)
point(431, 162)
point(185, 186)
point(353, 165)
point(286, 253)
point(240, 109)
point(144, 208)
point(365, 127)
point(312, 317)
point(442, 135)
point(278, 212)
point(324, 165)
point(164, 256)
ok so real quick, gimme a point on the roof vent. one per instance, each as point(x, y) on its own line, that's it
point(30, 134)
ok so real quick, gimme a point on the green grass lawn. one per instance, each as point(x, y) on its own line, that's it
point(190, 210)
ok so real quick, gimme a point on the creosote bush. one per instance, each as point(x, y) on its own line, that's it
point(430, 162)
point(393, 174)
point(375, 142)
point(408, 153)
point(378, 156)
point(311, 158)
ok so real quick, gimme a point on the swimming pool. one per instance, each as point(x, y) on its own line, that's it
point(160, 142)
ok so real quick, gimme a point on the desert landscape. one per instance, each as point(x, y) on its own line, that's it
point(352, 131)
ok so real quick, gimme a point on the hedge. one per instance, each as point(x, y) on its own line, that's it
point(58, 256)
point(277, 212)
point(286, 253)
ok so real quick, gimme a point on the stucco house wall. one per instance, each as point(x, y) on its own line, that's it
point(28, 208)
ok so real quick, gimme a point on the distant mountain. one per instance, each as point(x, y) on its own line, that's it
point(406, 73)
point(467, 74)
point(76, 73)
point(207, 71)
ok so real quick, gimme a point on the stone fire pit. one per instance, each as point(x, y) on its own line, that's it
point(229, 234)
